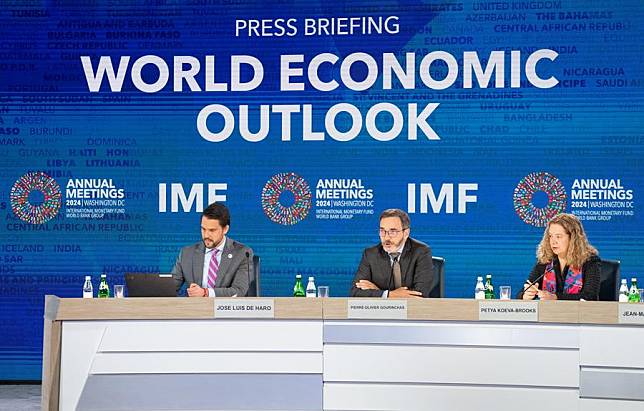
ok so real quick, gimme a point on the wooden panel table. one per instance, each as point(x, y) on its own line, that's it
point(316, 354)
point(174, 353)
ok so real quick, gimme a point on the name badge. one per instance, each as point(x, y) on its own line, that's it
point(236, 308)
point(631, 314)
point(509, 311)
point(364, 309)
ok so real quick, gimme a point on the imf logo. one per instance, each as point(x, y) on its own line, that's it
point(35, 198)
point(527, 199)
point(299, 198)
point(443, 200)
point(194, 200)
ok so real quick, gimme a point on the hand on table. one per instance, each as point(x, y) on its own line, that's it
point(366, 285)
point(545, 295)
point(531, 292)
point(195, 291)
point(404, 292)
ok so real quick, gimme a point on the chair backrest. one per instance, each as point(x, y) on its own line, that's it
point(438, 287)
point(253, 286)
point(609, 280)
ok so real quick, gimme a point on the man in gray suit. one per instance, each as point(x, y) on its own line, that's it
point(398, 267)
point(218, 265)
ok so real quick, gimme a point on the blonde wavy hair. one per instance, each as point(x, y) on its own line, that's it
point(579, 249)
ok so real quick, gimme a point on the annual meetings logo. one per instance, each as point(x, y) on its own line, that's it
point(35, 183)
point(273, 198)
point(524, 195)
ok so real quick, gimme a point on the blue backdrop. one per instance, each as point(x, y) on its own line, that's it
point(505, 157)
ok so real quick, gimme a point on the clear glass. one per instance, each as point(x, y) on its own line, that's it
point(505, 292)
point(323, 291)
point(119, 291)
point(642, 295)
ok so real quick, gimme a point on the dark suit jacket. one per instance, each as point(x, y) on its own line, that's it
point(415, 266)
point(232, 278)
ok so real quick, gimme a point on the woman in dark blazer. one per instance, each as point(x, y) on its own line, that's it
point(568, 267)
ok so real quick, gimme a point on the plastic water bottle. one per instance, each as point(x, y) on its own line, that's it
point(479, 291)
point(623, 292)
point(310, 288)
point(88, 290)
point(634, 292)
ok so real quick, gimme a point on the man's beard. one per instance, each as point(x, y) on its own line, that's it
point(392, 245)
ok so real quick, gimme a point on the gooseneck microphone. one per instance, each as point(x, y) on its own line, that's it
point(530, 284)
point(248, 273)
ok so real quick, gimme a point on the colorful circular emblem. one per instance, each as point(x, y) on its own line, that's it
point(525, 190)
point(275, 187)
point(19, 197)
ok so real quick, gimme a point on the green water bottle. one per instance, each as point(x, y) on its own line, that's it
point(298, 288)
point(634, 292)
point(489, 288)
point(103, 288)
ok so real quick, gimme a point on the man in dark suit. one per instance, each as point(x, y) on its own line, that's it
point(398, 267)
point(218, 265)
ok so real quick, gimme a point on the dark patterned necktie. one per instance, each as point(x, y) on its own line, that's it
point(396, 270)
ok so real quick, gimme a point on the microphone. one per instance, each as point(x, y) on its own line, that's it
point(248, 273)
point(530, 284)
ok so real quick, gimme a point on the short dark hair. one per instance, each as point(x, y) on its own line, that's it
point(219, 212)
point(397, 212)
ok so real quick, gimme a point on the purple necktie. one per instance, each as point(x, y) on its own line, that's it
point(212, 269)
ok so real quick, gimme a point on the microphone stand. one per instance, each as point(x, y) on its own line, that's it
point(248, 272)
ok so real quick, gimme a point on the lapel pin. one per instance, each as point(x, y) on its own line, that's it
point(230, 256)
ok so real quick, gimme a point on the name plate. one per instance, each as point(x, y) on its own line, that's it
point(364, 309)
point(509, 310)
point(235, 308)
point(631, 314)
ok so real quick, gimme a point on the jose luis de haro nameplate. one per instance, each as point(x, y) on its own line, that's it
point(509, 310)
point(234, 308)
point(376, 309)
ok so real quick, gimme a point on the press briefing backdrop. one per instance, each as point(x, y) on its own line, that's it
point(121, 120)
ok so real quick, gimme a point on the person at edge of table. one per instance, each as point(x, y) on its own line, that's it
point(217, 265)
point(397, 267)
point(568, 267)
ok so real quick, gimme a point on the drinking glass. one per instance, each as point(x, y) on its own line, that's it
point(119, 291)
point(505, 292)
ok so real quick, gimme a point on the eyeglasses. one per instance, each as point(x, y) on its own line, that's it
point(391, 233)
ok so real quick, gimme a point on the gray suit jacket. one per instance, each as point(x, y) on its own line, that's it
point(232, 278)
point(415, 265)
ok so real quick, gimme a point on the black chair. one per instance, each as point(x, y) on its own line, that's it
point(609, 280)
point(438, 288)
point(253, 276)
